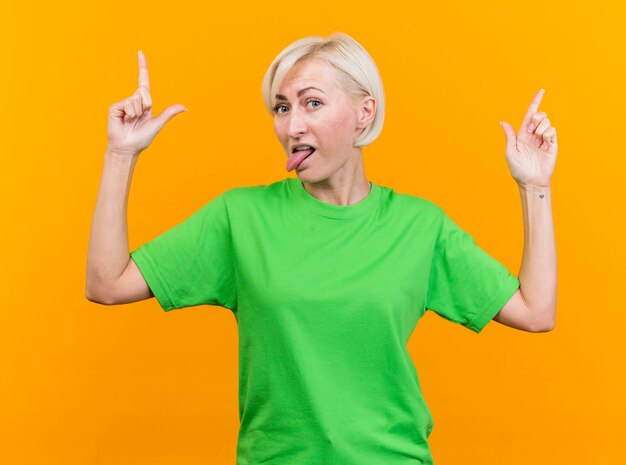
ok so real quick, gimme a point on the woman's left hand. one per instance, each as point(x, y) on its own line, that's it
point(531, 154)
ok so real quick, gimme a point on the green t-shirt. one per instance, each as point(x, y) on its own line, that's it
point(325, 298)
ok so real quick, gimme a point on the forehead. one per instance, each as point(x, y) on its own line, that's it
point(311, 72)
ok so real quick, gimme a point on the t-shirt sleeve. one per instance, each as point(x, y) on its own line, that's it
point(192, 263)
point(466, 285)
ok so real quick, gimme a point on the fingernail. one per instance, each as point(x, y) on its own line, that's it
point(139, 51)
point(531, 127)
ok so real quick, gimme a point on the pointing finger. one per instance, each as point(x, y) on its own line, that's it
point(532, 109)
point(143, 71)
point(146, 98)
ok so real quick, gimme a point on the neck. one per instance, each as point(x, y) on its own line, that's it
point(347, 186)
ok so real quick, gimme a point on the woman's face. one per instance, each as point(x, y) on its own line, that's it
point(313, 109)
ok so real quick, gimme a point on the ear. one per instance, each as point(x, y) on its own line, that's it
point(366, 112)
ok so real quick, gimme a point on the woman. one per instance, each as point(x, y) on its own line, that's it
point(326, 273)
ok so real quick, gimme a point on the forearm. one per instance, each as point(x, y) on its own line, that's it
point(538, 273)
point(108, 253)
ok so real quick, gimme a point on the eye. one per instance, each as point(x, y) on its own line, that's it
point(277, 108)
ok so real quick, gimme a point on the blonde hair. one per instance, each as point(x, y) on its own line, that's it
point(357, 70)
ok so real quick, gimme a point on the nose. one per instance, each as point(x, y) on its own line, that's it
point(296, 125)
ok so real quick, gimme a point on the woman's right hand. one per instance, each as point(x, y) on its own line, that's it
point(131, 127)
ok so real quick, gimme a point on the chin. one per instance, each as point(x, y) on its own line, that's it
point(304, 175)
point(307, 176)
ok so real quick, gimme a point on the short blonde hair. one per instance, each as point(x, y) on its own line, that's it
point(359, 74)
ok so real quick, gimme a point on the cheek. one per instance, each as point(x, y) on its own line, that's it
point(340, 125)
point(343, 130)
point(342, 117)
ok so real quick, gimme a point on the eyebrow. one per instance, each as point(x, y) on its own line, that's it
point(300, 92)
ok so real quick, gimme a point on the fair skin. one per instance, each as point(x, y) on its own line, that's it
point(330, 120)
point(112, 276)
point(531, 157)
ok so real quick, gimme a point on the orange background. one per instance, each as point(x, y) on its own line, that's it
point(82, 383)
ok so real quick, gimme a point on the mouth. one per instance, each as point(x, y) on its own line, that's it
point(302, 147)
point(298, 155)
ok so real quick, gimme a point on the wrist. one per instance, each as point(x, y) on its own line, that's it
point(121, 155)
point(533, 187)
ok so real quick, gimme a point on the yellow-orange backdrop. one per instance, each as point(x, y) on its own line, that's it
point(82, 383)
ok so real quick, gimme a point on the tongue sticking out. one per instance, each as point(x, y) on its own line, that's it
point(297, 158)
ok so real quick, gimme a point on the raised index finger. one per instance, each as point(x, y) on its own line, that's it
point(143, 71)
point(532, 109)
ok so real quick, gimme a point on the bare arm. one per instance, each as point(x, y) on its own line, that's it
point(531, 156)
point(109, 271)
point(533, 306)
point(538, 273)
point(112, 276)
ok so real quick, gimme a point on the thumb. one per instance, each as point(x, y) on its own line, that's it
point(509, 132)
point(167, 114)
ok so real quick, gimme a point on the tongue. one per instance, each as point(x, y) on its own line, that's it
point(297, 158)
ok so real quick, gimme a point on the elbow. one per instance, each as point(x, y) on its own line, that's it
point(96, 294)
point(543, 329)
point(543, 326)
point(91, 297)
point(90, 293)
point(97, 300)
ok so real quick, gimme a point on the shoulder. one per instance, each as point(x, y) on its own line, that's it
point(255, 194)
point(257, 189)
point(410, 203)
